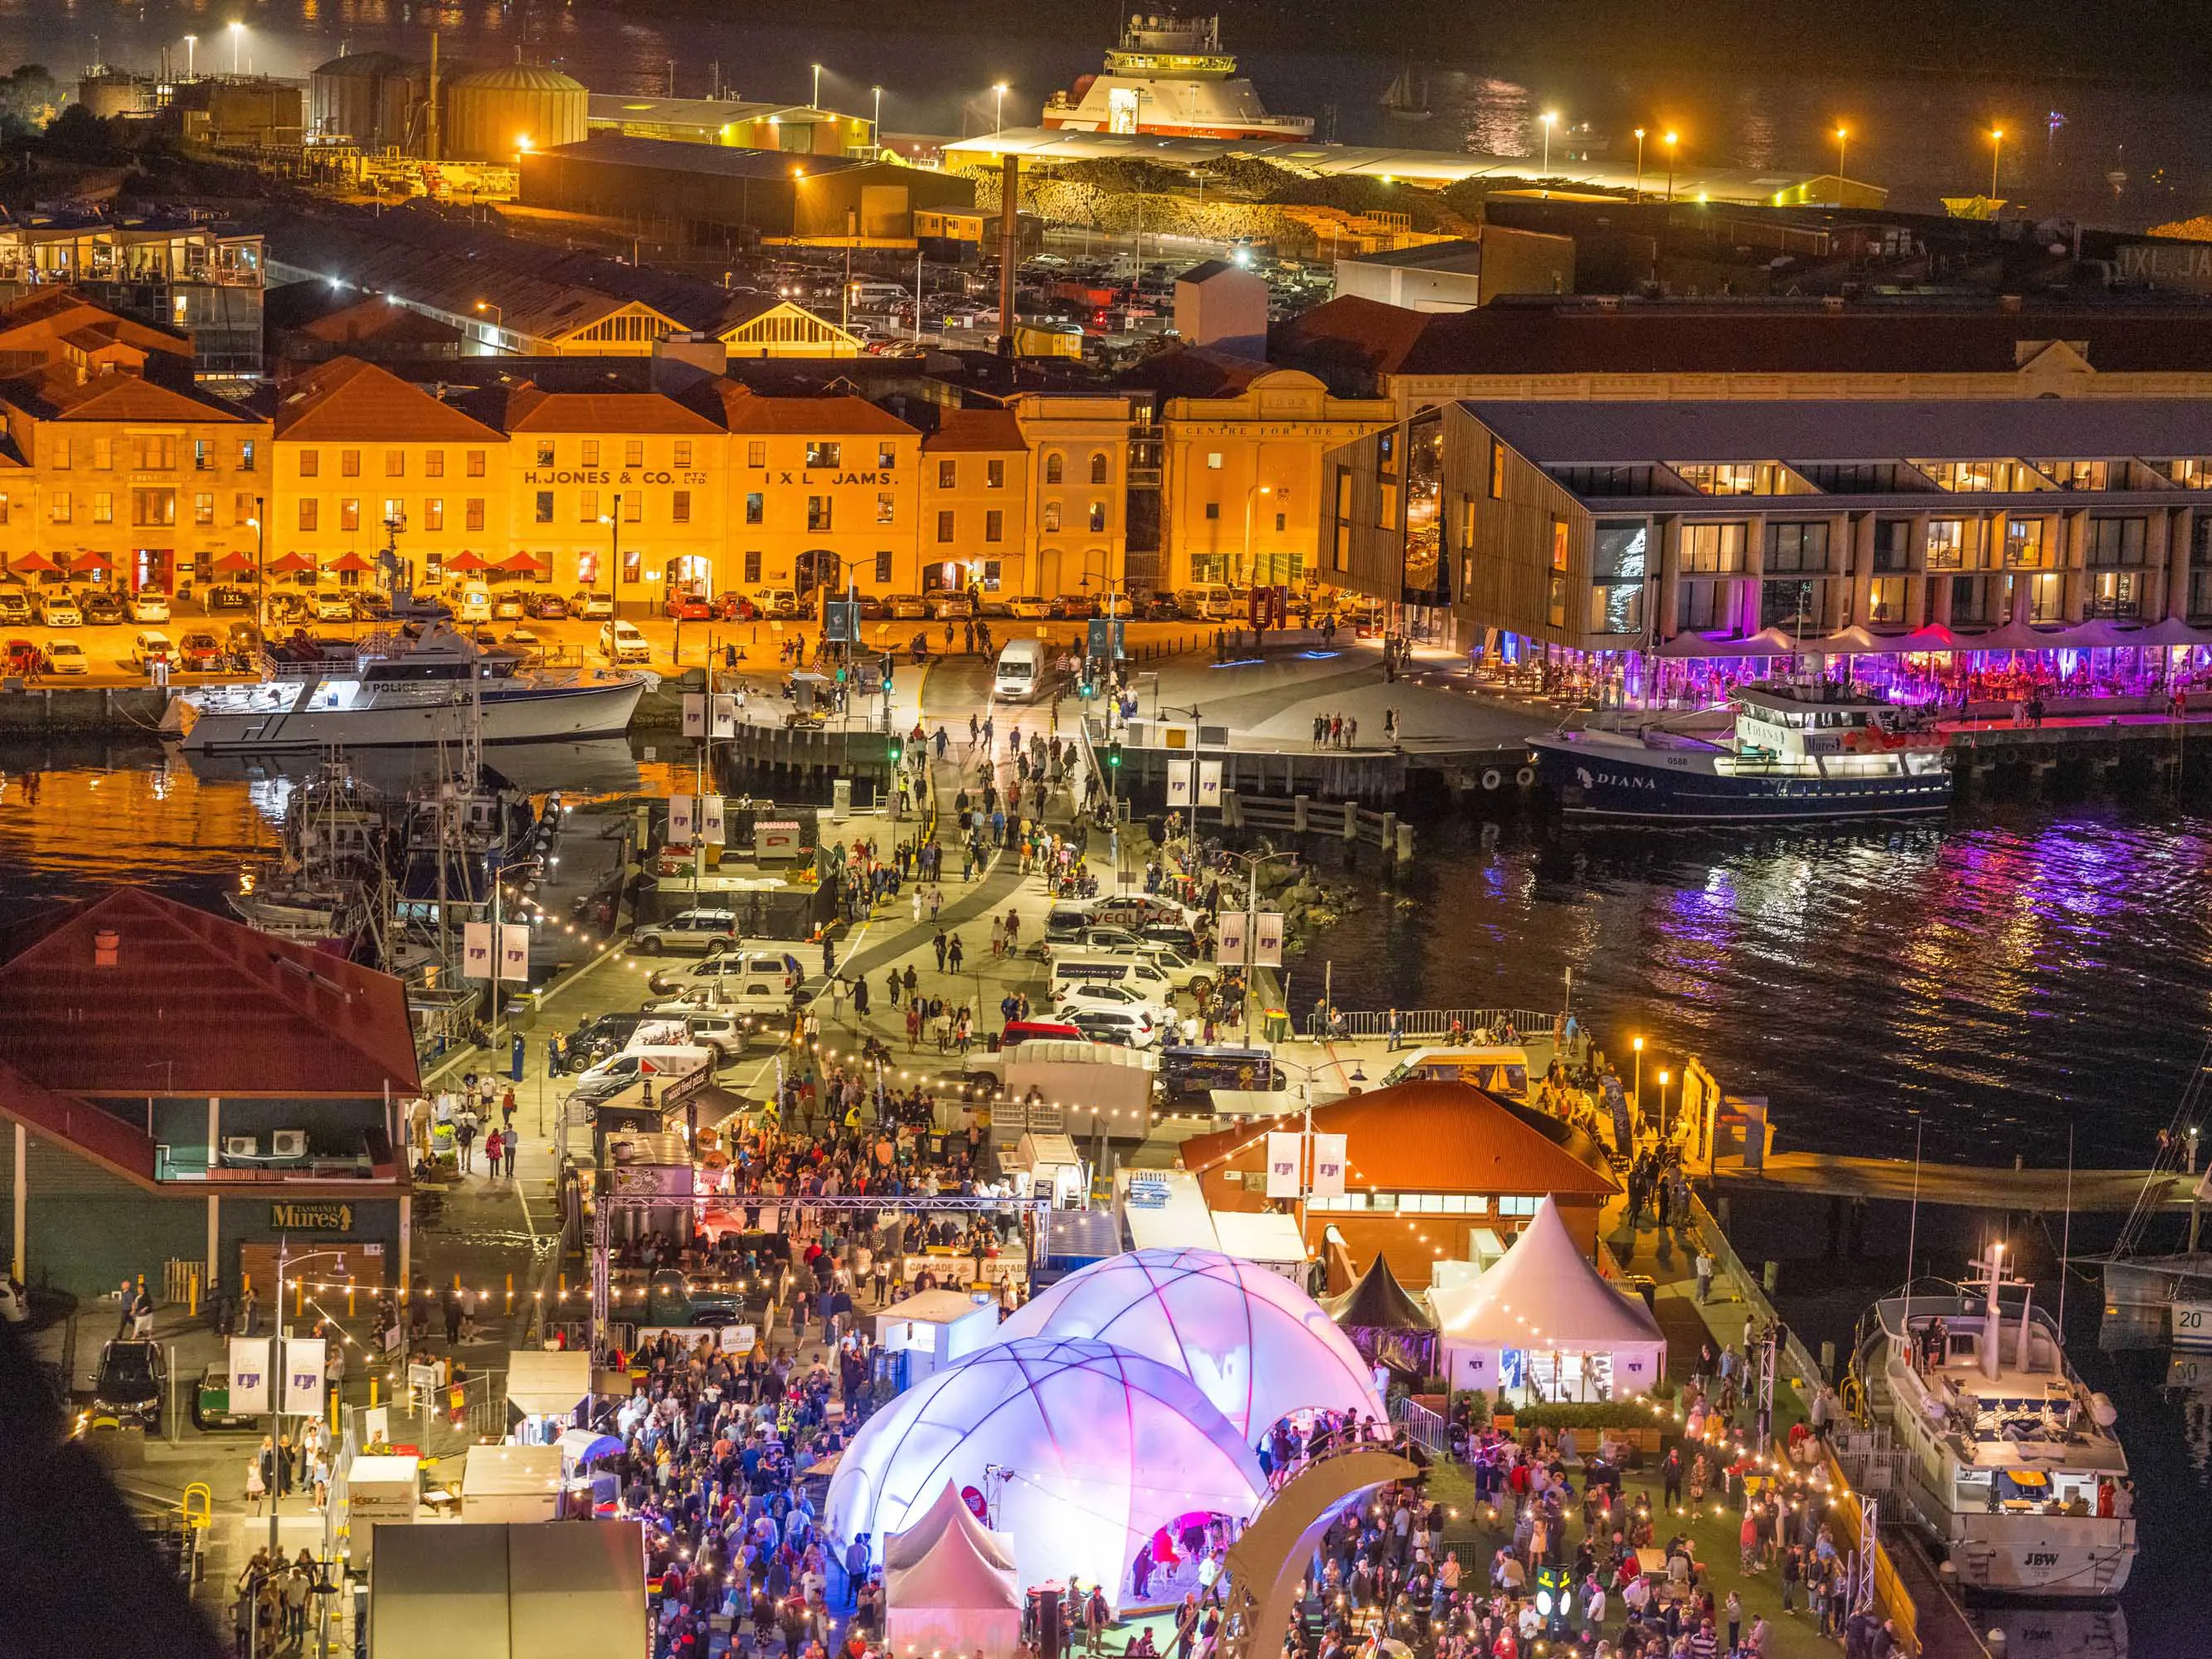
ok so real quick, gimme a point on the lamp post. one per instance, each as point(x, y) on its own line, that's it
point(1550, 118)
point(260, 571)
point(1251, 501)
point(276, 1384)
point(1639, 1080)
point(999, 114)
point(876, 123)
point(1843, 138)
point(191, 43)
point(614, 520)
point(1996, 149)
point(1663, 1081)
point(237, 37)
point(1670, 139)
point(498, 317)
point(1639, 165)
point(815, 101)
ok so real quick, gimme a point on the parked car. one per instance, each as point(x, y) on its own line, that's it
point(690, 933)
point(736, 607)
point(507, 607)
point(211, 1412)
point(949, 604)
point(592, 607)
point(150, 605)
point(1131, 1028)
point(737, 974)
point(290, 606)
point(61, 610)
point(546, 607)
point(370, 603)
point(1071, 607)
point(779, 602)
point(242, 643)
point(333, 605)
point(1160, 608)
point(148, 646)
point(687, 607)
point(227, 596)
point(873, 609)
point(1029, 608)
point(200, 652)
point(622, 643)
point(909, 607)
point(23, 658)
point(67, 656)
point(14, 606)
point(101, 607)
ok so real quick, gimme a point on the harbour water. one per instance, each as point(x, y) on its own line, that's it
point(1924, 136)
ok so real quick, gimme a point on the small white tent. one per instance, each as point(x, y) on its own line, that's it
point(950, 1586)
point(1544, 1324)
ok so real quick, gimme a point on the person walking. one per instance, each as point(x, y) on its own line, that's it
point(464, 1140)
point(940, 944)
point(954, 953)
point(1704, 1272)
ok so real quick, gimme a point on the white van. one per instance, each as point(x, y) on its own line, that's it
point(1021, 667)
point(660, 1062)
point(472, 604)
point(1206, 602)
point(1131, 973)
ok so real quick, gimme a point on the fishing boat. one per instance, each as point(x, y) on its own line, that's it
point(318, 891)
point(1407, 97)
point(1793, 751)
point(2011, 1463)
point(2146, 1287)
point(390, 689)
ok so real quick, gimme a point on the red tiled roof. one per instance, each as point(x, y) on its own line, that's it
point(379, 321)
point(49, 314)
point(349, 401)
point(55, 394)
point(1192, 372)
point(193, 1004)
point(1348, 332)
point(745, 410)
point(1420, 1138)
point(965, 431)
point(531, 409)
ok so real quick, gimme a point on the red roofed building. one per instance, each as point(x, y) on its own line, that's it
point(1428, 1165)
point(975, 519)
point(177, 1086)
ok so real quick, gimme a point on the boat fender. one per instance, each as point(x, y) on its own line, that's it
point(1525, 776)
point(2102, 1409)
point(1492, 778)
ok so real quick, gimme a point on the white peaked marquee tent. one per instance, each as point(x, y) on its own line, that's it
point(950, 1585)
point(1080, 1449)
point(1257, 1345)
point(1544, 1324)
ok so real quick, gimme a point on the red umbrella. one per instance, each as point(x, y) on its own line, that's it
point(233, 564)
point(42, 564)
point(290, 564)
point(81, 562)
point(349, 562)
point(523, 562)
point(465, 559)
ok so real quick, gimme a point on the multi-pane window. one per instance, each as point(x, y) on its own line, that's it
point(1620, 561)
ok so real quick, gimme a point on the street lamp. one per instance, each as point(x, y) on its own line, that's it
point(498, 317)
point(1663, 1081)
point(1670, 139)
point(1996, 148)
point(1843, 138)
point(614, 520)
point(237, 36)
point(998, 117)
point(817, 102)
point(1640, 1081)
point(276, 1382)
point(260, 571)
point(191, 43)
point(1251, 501)
point(1550, 118)
point(1639, 164)
point(875, 126)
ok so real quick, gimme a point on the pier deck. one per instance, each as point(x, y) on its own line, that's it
point(1968, 1186)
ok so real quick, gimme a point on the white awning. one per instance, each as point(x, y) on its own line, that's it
point(541, 1385)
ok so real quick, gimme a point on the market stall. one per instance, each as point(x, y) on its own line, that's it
point(950, 1585)
point(1544, 1324)
point(930, 1329)
point(545, 1390)
point(511, 1483)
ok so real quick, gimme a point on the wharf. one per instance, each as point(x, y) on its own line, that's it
point(1967, 1186)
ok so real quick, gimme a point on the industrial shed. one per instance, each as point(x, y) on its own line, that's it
point(777, 195)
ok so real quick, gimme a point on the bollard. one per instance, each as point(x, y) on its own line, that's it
point(1348, 825)
point(1771, 1276)
point(1299, 806)
point(372, 1391)
point(1404, 843)
point(1995, 1641)
point(1827, 1359)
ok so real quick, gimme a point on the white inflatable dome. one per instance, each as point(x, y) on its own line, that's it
point(1258, 1347)
point(1098, 1447)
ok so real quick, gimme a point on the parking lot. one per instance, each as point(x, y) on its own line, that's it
point(88, 635)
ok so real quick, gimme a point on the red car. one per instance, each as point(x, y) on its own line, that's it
point(687, 607)
point(24, 658)
point(736, 607)
point(199, 652)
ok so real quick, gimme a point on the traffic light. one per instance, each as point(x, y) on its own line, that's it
point(1113, 755)
point(896, 750)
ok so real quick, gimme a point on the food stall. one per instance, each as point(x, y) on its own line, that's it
point(382, 1490)
point(545, 1390)
point(511, 1483)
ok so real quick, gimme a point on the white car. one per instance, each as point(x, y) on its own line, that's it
point(591, 607)
point(1088, 994)
point(333, 605)
point(620, 642)
point(149, 607)
point(1029, 609)
point(691, 932)
point(66, 657)
point(149, 647)
point(1128, 1026)
point(60, 610)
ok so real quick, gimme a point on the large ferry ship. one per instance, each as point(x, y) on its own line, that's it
point(1795, 752)
point(433, 690)
point(2011, 1463)
point(1170, 76)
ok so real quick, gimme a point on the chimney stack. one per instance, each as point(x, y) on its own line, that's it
point(1010, 252)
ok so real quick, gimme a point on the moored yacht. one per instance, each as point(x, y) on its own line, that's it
point(1794, 751)
point(2011, 1463)
point(391, 690)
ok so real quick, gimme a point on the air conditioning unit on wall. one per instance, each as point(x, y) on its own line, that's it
point(288, 1142)
point(241, 1146)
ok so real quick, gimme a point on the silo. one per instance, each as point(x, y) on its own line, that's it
point(345, 99)
point(490, 114)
